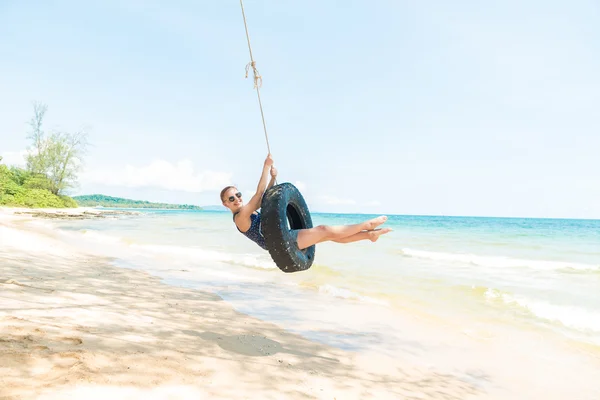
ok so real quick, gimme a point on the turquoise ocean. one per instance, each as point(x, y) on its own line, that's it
point(435, 290)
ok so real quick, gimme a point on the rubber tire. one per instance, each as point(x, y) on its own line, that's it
point(282, 203)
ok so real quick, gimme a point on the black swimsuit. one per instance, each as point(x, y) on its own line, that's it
point(254, 233)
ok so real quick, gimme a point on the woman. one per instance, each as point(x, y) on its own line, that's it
point(247, 218)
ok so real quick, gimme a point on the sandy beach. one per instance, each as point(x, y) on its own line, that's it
point(73, 326)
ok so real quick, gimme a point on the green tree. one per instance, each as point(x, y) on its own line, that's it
point(64, 155)
point(58, 157)
point(8, 187)
point(52, 166)
point(36, 159)
point(20, 175)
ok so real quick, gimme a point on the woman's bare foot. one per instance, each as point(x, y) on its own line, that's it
point(375, 222)
point(374, 234)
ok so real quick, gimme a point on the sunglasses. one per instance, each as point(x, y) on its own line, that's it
point(232, 199)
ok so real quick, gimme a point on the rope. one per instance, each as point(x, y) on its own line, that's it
point(257, 78)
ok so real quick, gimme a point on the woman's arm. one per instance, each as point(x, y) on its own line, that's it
point(242, 219)
point(273, 177)
point(254, 203)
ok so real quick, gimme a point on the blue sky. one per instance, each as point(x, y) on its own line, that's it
point(429, 107)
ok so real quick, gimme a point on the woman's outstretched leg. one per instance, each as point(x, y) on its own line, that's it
point(364, 235)
point(321, 233)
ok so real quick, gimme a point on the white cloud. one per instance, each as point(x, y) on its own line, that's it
point(16, 158)
point(330, 200)
point(161, 174)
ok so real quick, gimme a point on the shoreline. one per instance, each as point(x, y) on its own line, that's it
point(85, 210)
point(75, 326)
point(64, 213)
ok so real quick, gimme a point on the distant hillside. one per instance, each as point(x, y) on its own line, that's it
point(94, 200)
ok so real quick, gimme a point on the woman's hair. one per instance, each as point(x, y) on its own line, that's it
point(226, 188)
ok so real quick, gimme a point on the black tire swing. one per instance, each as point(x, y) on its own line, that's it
point(283, 204)
point(283, 209)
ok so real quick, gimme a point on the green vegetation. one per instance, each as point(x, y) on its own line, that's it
point(21, 188)
point(52, 165)
point(94, 200)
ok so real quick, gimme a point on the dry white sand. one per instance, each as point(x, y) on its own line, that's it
point(75, 327)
